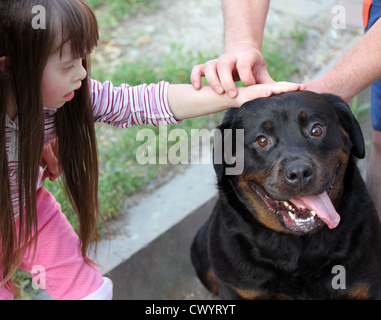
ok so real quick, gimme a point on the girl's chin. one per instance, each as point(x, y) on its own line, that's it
point(54, 106)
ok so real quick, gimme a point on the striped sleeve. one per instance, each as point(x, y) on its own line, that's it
point(125, 106)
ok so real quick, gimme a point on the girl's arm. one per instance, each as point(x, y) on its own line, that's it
point(164, 103)
point(125, 106)
point(186, 102)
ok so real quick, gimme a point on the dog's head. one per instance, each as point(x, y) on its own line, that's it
point(294, 148)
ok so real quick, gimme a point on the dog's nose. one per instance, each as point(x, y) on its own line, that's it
point(298, 173)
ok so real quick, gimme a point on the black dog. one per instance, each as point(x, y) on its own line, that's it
point(298, 222)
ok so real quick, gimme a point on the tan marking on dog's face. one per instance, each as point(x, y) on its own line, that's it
point(259, 208)
point(268, 124)
point(303, 115)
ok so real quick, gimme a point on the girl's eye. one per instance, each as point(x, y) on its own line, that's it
point(69, 68)
point(262, 141)
point(316, 130)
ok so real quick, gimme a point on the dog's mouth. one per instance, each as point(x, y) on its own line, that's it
point(301, 214)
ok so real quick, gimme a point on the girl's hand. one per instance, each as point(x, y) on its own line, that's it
point(185, 102)
point(50, 162)
point(265, 90)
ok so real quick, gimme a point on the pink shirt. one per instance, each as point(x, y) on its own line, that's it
point(122, 107)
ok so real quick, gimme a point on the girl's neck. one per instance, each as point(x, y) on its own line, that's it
point(11, 112)
point(11, 106)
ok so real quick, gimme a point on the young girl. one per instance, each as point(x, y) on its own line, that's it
point(45, 94)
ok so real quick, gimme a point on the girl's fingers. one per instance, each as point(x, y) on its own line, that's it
point(281, 87)
point(266, 90)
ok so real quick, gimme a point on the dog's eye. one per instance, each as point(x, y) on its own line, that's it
point(316, 130)
point(262, 141)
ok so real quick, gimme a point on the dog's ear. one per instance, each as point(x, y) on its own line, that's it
point(219, 152)
point(350, 124)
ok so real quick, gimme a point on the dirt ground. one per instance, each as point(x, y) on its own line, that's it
point(197, 26)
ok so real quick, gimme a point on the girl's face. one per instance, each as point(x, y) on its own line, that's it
point(61, 77)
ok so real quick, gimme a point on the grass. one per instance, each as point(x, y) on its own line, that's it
point(120, 174)
point(110, 12)
point(361, 111)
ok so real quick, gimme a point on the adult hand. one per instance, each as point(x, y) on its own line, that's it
point(242, 62)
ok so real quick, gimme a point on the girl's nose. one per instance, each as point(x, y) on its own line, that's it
point(82, 73)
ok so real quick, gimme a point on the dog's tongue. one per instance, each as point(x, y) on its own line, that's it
point(322, 205)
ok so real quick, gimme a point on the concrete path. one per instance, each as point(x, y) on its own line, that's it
point(149, 258)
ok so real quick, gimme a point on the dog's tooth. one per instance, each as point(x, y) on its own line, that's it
point(286, 204)
point(313, 213)
point(293, 216)
point(291, 208)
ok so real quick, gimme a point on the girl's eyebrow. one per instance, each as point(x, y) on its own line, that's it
point(66, 61)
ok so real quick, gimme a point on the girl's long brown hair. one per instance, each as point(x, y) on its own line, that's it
point(27, 50)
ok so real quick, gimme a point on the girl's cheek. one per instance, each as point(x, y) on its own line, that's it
point(52, 96)
point(52, 90)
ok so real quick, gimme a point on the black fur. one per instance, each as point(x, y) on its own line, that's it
point(248, 257)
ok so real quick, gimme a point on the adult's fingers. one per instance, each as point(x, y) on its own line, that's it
point(212, 76)
point(209, 71)
point(263, 76)
point(196, 74)
point(226, 69)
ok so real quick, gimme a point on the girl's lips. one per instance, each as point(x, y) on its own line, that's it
point(69, 96)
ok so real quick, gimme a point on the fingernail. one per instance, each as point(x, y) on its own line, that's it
point(196, 84)
point(218, 89)
point(267, 92)
point(232, 93)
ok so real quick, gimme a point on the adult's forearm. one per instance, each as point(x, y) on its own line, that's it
point(244, 21)
point(356, 70)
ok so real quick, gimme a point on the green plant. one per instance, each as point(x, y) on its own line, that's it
point(111, 12)
point(361, 111)
point(279, 51)
point(120, 174)
point(23, 281)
